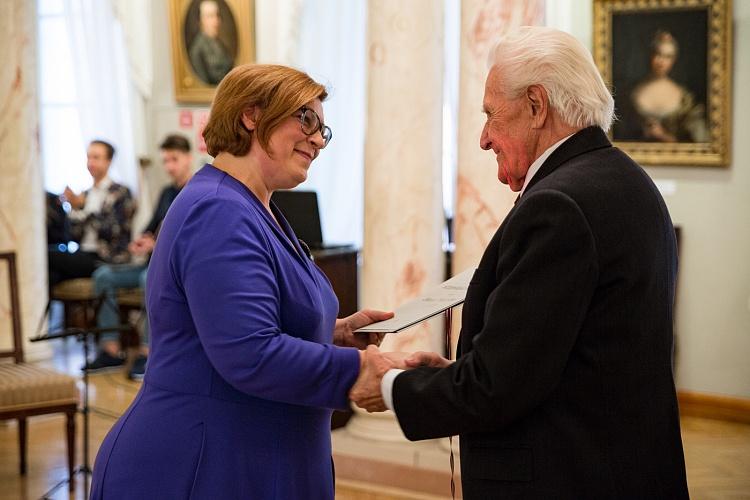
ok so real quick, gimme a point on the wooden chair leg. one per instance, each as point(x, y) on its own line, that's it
point(66, 314)
point(92, 309)
point(22, 444)
point(126, 336)
point(71, 433)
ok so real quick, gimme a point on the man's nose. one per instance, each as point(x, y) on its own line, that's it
point(484, 140)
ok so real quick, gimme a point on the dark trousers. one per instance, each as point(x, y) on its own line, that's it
point(66, 266)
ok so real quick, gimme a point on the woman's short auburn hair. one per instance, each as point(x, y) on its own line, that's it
point(277, 91)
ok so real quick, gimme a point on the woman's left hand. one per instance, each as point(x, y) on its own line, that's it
point(343, 332)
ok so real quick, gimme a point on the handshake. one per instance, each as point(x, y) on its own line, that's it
point(366, 391)
point(373, 364)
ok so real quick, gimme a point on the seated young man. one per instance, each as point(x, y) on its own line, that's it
point(100, 221)
point(177, 161)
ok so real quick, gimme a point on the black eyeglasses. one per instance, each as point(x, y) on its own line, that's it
point(310, 122)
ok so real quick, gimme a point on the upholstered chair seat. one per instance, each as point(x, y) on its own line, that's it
point(24, 386)
point(28, 390)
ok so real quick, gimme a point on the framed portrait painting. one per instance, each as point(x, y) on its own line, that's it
point(209, 38)
point(668, 63)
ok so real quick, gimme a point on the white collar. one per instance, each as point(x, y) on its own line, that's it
point(104, 184)
point(534, 168)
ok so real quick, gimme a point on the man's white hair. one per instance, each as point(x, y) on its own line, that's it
point(535, 55)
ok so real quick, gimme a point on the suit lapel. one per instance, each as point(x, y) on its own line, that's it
point(583, 141)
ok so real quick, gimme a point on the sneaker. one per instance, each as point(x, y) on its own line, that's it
point(138, 370)
point(103, 361)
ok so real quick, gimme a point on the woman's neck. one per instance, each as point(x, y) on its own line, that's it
point(247, 171)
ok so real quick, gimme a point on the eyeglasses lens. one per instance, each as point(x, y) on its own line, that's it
point(327, 134)
point(311, 124)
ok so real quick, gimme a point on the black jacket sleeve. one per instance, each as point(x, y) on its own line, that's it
point(543, 275)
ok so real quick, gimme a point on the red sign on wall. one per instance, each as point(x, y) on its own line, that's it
point(202, 120)
point(186, 118)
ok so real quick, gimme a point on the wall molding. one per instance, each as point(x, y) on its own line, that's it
point(697, 404)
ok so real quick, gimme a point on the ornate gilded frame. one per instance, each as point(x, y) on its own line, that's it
point(718, 84)
point(188, 86)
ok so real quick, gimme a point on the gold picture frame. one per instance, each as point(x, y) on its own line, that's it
point(669, 65)
point(209, 37)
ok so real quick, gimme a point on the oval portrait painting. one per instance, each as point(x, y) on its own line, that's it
point(210, 37)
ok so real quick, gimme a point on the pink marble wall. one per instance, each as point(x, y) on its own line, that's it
point(481, 200)
point(403, 210)
point(21, 195)
point(402, 251)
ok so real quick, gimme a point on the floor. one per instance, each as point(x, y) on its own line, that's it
point(717, 453)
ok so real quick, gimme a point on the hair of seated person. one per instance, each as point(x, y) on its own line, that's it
point(109, 147)
point(176, 142)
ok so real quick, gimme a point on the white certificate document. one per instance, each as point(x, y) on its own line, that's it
point(436, 300)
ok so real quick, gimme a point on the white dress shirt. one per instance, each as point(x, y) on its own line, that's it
point(534, 168)
point(93, 205)
point(386, 383)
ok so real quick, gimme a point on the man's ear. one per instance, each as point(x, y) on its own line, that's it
point(538, 103)
point(249, 117)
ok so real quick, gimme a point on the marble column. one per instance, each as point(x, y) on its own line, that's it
point(482, 202)
point(22, 211)
point(404, 219)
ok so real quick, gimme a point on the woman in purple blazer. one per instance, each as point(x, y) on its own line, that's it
point(247, 356)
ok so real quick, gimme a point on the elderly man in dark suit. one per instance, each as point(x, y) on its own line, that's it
point(563, 384)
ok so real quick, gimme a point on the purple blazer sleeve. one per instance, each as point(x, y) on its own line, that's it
point(224, 262)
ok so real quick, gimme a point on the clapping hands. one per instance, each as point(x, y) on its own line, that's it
point(76, 200)
point(143, 245)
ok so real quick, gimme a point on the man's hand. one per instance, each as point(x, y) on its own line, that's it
point(76, 200)
point(343, 332)
point(398, 359)
point(366, 390)
point(423, 358)
point(144, 245)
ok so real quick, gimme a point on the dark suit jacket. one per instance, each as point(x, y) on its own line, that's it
point(563, 387)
